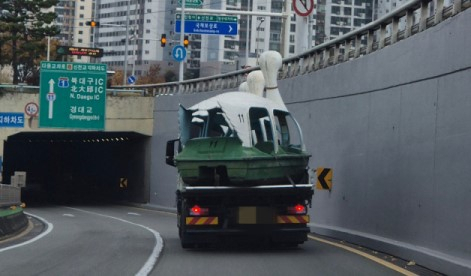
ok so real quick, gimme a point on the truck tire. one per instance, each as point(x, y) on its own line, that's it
point(184, 244)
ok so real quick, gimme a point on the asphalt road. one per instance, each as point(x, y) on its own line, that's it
point(118, 240)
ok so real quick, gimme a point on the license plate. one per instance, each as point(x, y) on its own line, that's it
point(256, 215)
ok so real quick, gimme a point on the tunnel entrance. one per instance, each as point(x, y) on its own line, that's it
point(79, 167)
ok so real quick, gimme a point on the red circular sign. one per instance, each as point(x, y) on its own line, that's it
point(31, 109)
point(303, 7)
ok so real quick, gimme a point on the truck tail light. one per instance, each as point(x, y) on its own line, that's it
point(298, 209)
point(198, 211)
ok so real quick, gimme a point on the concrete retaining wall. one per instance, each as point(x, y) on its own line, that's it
point(395, 127)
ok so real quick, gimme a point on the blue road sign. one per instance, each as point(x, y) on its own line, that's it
point(214, 28)
point(131, 79)
point(12, 119)
point(207, 24)
point(179, 53)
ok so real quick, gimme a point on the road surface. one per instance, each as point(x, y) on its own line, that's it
point(121, 240)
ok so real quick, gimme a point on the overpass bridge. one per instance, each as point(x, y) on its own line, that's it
point(386, 106)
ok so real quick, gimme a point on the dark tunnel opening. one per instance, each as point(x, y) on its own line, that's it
point(78, 167)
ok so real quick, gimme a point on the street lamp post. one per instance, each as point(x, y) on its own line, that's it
point(249, 18)
point(236, 62)
point(134, 57)
point(182, 35)
point(48, 47)
point(134, 36)
point(126, 46)
point(258, 32)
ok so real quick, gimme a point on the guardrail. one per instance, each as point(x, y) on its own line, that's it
point(22, 88)
point(9, 195)
point(409, 19)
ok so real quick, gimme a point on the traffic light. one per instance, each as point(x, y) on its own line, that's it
point(163, 40)
point(186, 41)
point(92, 23)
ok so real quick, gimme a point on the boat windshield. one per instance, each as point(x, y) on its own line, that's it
point(289, 136)
point(211, 123)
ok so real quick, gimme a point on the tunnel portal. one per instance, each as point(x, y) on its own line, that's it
point(78, 167)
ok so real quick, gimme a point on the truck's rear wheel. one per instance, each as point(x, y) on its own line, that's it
point(181, 233)
point(182, 227)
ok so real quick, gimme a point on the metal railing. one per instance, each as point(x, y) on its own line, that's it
point(9, 195)
point(409, 19)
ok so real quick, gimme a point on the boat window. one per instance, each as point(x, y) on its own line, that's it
point(198, 123)
point(197, 127)
point(218, 126)
point(261, 129)
point(289, 135)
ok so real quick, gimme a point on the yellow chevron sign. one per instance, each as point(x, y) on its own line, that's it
point(123, 183)
point(324, 179)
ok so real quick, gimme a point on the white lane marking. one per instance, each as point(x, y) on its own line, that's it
point(133, 214)
point(68, 215)
point(50, 226)
point(151, 261)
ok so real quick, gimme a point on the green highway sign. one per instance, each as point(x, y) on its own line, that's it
point(191, 3)
point(72, 95)
point(207, 18)
point(207, 24)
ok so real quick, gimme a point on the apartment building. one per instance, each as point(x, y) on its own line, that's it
point(70, 18)
point(129, 33)
point(338, 17)
point(142, 22)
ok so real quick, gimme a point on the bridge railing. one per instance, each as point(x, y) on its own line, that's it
point(407, 20)
point(9, 195)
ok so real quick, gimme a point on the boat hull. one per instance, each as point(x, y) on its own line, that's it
point(223, 161)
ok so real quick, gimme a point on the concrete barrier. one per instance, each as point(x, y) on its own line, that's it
point(12, 218)
point(9, 195)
